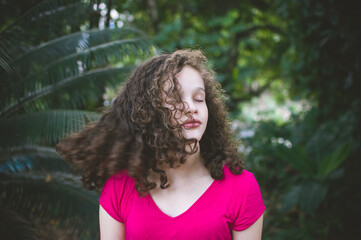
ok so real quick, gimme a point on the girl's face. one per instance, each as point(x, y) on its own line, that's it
point(192, 91)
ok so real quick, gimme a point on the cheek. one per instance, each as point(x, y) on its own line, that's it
point(206, 118)
point(206, 113)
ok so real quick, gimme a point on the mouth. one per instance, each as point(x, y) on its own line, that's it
point(191, 123)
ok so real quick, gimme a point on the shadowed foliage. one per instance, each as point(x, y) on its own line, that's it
point(53, 68)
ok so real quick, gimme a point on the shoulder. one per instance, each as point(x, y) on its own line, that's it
point(241, 186)
point(116, 194)
point(121, 177)
point(119, 183)
point(243, 179)
point(246, 203)
point(118, 187)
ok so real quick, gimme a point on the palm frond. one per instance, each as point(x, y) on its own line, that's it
point(42, 128)
point(74, 65)
point(72, 43)
point(6, 64)
point(55, 197)
point(83, 60)
point(54, 66)
point(31, 158)
point(52, 15)
point(70, 92)
point(13, 226)
point(43, 16)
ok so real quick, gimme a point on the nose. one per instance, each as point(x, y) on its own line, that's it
point(191, 107)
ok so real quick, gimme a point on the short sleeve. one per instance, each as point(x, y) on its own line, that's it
point(114, 196)
point(252, 208)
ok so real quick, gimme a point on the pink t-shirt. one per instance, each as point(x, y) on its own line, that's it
point(235, 202)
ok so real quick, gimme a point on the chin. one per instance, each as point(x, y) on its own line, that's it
point(193, 137)
point(190, 135)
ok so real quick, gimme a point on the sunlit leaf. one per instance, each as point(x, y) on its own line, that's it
point(333, 160)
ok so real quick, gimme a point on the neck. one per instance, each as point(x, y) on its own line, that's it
point(192, 168)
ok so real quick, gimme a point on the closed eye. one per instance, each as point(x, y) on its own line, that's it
point(199, 96)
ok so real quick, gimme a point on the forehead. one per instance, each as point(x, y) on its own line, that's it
point(190, 79)
point(187, 79)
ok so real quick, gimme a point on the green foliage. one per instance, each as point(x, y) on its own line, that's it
point(308, 196)
point(325, 67)
point(308, 167)
point(332, 161)
point(312, 190)
point(18, 227)
point(293, 190)
point(50, 77)
point(325, 35)
point(31, 158)
point(54, 196)
point(43, 128)
point(238, 37)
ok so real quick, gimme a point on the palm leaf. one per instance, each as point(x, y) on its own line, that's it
point(43, 16)
point(68, 67)
point(42, 128)
point(6, 64)
point(13, 226)
point(72, 43)
point(54, 197)
point(16, 39)
point(81, 61)
point(42, 70)
point(298, 158)
point(31, 158)
point(333, 160)
point(71, 92)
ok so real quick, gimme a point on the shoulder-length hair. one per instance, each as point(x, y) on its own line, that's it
point(137, 132)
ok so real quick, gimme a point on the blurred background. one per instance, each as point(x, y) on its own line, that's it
point(291, 71)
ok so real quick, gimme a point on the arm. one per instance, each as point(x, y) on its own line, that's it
point(254, 232)
point(110, 229)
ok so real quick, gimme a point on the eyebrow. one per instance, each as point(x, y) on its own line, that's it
point(200, 88)
point(196, 90)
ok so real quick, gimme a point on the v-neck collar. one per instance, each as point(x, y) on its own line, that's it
point(194, 205)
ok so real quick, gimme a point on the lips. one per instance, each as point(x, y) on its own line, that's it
point(191, 123)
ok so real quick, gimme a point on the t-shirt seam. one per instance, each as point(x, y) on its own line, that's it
point(259, 210)
point(252, 220)
point(113, 215)
point(117, 200)
point(244, 203)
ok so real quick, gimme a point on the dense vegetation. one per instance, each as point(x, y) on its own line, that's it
point(55, 69)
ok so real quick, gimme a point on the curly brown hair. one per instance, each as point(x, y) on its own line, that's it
point(137, 132)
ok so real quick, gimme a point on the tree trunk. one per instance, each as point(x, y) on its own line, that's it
point(109, 6)
point(153, 15)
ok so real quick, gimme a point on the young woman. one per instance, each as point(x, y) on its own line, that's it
point(164, 158)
